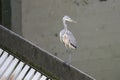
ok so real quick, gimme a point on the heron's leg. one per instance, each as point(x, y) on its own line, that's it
point(67, 52)
point(68, 60)
point(69, 57)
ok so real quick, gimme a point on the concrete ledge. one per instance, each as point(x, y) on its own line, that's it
point(39, 58)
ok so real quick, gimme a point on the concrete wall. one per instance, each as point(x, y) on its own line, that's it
point(38, 58)
point(16, 16)
point(97, 32)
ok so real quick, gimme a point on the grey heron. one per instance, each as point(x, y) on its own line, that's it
point(67, 37)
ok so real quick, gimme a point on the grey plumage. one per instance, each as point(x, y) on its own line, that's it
point(70, 37)
point(66, 36)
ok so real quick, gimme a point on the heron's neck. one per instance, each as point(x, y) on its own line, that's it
point(65, 25)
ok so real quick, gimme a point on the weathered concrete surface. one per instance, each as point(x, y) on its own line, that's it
point(16, 16)
point(36, 56)
point(97, 32)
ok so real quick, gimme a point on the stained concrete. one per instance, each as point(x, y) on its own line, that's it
point(97, 32)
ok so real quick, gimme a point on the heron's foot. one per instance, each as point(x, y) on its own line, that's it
point(67, 62)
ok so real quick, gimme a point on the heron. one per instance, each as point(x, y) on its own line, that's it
point(67, 37)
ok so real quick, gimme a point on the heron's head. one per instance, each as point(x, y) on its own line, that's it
point(67, 18)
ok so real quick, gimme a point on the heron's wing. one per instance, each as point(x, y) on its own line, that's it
point(72, 39)
point(70, 36)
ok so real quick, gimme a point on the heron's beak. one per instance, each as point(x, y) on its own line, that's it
point(72, 21)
